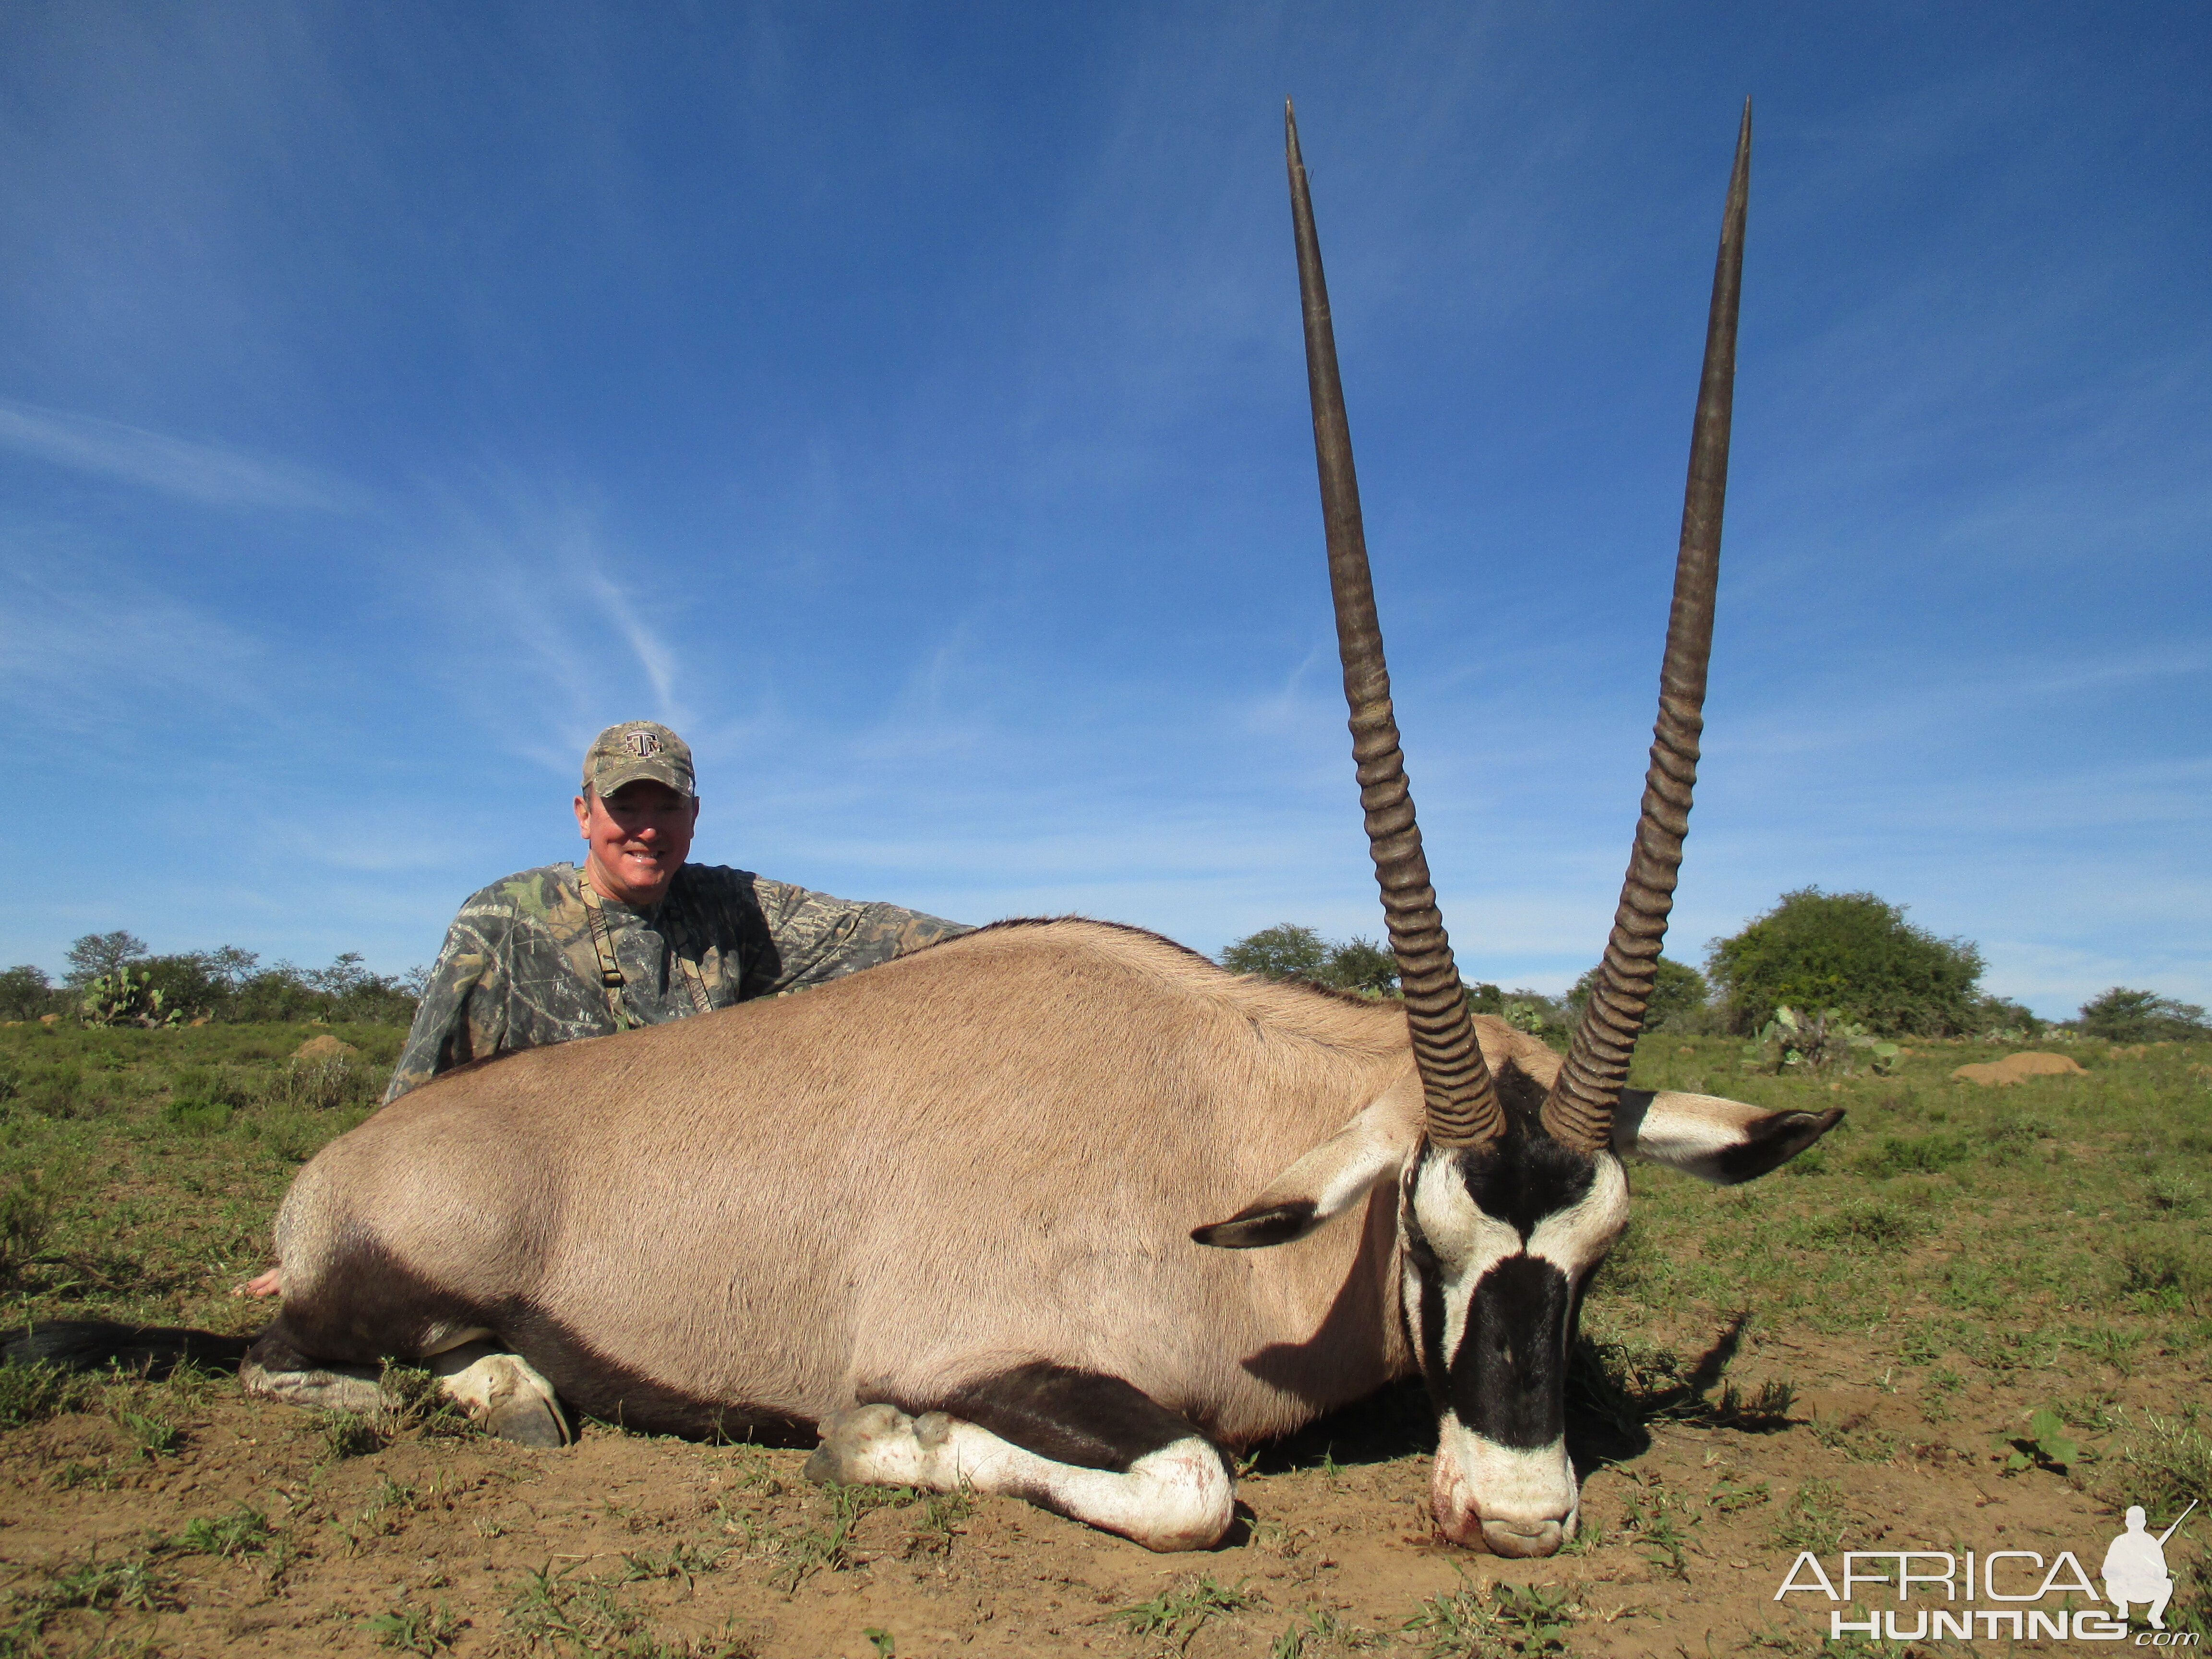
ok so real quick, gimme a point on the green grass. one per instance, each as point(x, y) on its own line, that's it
point(131, 1584)
point(139, 1169)
point(32, 1393)
point(560, 1612)
point(2055, 1226)
point(1992, 1250)
point(244, 1531)
point(1494, 1620)
point(410, 1627)
point(1812, 1520)
point(1174, 1617)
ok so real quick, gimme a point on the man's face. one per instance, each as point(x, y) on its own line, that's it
point(640, 837)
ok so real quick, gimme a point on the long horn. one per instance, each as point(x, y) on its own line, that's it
point(1463, 1102)
point(1578, 1110)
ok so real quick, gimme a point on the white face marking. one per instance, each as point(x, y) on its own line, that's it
point(1574, 1238)
point(1467, 1243)
point(1517, 1501)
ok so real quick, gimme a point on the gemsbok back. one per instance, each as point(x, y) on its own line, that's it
point(1056, 1209)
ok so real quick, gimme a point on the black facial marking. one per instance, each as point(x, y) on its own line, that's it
point(1274, 1224)
point(1507, 1378)
point(1077, 1417)
point(1522, 1178)
point(1771, 1142)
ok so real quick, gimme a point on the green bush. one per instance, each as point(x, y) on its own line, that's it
point(27, 994)
point(1290, 950)
point(1678, 992)
point(197, 1117)
point(26, 1215)
point(119, 984)
point(2124, 1016)
point(51, 1090)
point(1849, 951)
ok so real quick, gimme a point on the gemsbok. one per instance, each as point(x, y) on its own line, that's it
point(1047, 1209)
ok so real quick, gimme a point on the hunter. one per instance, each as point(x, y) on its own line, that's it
point(637, 936)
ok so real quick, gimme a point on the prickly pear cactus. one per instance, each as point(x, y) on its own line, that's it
point(124, 998)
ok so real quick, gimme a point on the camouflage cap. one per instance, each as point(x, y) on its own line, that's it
point(638, 749)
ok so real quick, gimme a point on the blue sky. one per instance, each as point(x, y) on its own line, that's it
point(906, 404)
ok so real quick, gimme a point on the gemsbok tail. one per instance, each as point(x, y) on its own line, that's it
point(92, 1344)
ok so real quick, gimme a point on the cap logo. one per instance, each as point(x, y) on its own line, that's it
point(643, 744)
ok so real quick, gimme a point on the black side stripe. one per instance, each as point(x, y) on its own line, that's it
point(1085, 1419)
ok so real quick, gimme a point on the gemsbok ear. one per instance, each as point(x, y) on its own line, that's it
point(1723, 1141)
point(1334, 1177)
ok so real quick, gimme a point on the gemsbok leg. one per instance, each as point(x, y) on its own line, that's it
point(1087, 1446)
point(501, 1390)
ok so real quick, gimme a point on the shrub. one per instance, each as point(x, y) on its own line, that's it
point(1361, 964)
point(1678, 992)
point(27, 1216)
point(2000, 1019)
point(25, 993)
point(197, 1117)
point(56, 1090)
point(1865, 1225)
point(1851, 950)
point(121, 984)
point(126, 997)
point(2124, 1016)
point(1284, 952)
point(1290, 950)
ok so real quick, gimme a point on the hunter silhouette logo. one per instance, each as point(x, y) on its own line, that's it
point(2133, 1570)
point(643, 744)
point(2134, 1567)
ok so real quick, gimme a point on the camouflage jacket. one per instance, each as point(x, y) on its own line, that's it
point(519, 967)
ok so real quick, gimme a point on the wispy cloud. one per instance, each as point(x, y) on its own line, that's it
point(543, 599)
point(82, 640)
point(213, 473)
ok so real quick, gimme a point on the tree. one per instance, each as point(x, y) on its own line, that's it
point(96, 954)
point(2123, 1016)
point(1361, 964)
point(26, 993)
point(1677, 989)
point(1289, 951)
point(1849, 950)
point(1286, 951)
point(188, 984)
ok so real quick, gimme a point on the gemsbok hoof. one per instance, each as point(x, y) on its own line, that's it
point(854, 1442)
point(505, 1393)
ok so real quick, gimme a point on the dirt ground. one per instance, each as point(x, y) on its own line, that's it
point(1971, 1319)
point(630, 1544)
